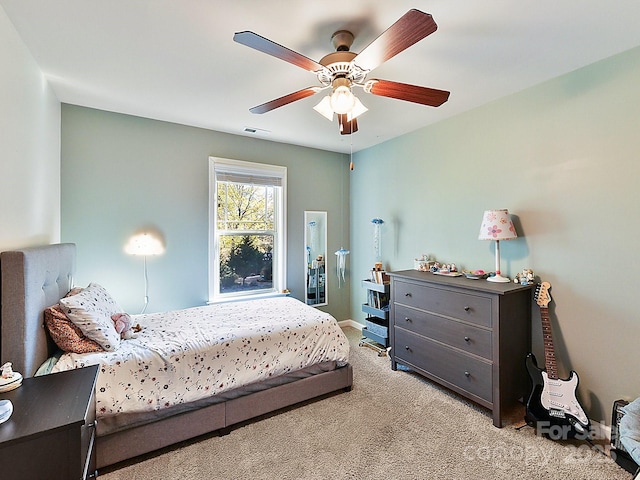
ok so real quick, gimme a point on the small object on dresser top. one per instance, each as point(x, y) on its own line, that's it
point(9, 379)
point(447, 273)
point(423, 264)
point(475, 274)
point(448, 269)
point(7, 371)
point(526, 277)
point(6, 409)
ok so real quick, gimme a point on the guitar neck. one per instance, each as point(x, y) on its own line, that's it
point(549, 352)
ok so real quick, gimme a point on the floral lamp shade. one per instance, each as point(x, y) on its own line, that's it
point(497, 225)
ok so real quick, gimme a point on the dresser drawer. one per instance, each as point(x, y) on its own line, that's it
point(468, 307)
point(461, 335)
point(463, 371)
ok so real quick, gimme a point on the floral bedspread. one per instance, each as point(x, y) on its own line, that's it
point(185, 355)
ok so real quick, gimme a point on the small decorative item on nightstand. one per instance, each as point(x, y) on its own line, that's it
point(9, 379)
point(6, 409)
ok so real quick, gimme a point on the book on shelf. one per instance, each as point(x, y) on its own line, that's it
point(379, 276)
point(377, 299)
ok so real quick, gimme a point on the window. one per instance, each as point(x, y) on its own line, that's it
point(247, 234)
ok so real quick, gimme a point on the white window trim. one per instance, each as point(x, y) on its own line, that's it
point(217, 164)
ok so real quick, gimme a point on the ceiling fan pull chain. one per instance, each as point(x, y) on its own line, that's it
point(351, 157)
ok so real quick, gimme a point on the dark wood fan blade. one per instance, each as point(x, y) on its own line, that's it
point(412, 27)
point(265, 45)
point(347, 127)
point(279, 102)
point(409, 93)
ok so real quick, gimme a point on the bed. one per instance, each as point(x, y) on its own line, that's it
point(35, 278)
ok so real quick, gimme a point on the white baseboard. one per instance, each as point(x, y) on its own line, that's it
point(350, 323)
point(601, 431)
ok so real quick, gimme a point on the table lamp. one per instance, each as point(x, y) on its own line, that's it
point(497, 225)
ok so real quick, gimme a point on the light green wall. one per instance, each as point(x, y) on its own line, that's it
point(122, 173)
point(29, 147)
point(563, 157)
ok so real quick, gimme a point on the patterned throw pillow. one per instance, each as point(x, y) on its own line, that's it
point(91, 310)
point(65, 334)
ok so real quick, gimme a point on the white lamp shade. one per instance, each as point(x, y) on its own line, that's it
point(144, 244)
point(497, 225)
point(358, 109)
point(324, 108)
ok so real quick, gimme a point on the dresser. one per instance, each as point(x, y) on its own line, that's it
point(471, 336)
point(51, 433)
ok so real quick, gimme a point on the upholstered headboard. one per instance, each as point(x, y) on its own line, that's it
point(31, 279)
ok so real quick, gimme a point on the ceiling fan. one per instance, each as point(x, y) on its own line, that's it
point(342, 70)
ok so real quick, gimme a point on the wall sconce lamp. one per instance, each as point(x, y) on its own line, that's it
point(144, 244)
point(497, 225)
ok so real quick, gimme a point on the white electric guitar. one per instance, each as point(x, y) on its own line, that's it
point(552, 399)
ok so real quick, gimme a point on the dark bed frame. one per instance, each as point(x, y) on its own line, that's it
point(34, 278)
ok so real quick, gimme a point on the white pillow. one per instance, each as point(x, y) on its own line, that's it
point(91, 310)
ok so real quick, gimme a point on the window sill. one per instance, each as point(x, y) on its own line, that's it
point(243, 298)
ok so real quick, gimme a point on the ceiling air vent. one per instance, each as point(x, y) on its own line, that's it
point(256, 131)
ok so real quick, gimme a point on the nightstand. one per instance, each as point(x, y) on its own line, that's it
point(51, 434)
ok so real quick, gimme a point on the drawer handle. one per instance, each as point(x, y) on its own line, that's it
point(467, 339)
point(408, 294)
point(466, 309)
point(467, 374)
point(407, 319)
point(407, 348)
point(93, 474)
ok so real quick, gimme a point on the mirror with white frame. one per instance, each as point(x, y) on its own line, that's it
point(315, 241)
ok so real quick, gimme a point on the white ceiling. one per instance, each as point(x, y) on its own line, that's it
point(175, 60)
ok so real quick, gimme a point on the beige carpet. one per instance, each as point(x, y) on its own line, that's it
point(392, 425)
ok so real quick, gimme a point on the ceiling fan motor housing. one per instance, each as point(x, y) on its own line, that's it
point(339, 64)
point(342, 40)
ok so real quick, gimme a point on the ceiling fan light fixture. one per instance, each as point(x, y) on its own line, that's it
point(324, 108)
point(342, 99)
point(357, 110)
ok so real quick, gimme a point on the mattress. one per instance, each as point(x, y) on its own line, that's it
point(183, 357)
